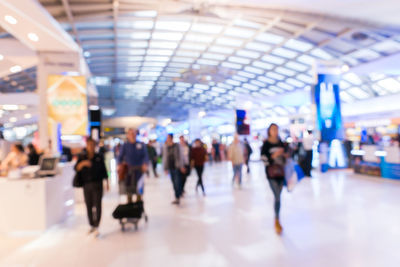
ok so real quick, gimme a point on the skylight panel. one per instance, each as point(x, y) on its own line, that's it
point(273, 59)
point(140, 35)
point(241, 90)
point(221, 49)
point(267, 92)
point(159, 52)
point(284, 53)
point(285, 71)
point(138, 44)
point(344, 96)
point(246, 74)
point(352, 78)
point(379, 90)
point(180, 26)
point(224, 85)
point(171, 74)
point(183, 59)
point(193, 46)
point(285, 86)
point(233, 82)
point(305, 78)
point(318, 52)
point(169, 36)
point(266, 80)
point(201, 86)
point(145, 14)
point(258, 83)
point(163, 45)
point(358, 93)
point(263, 65)
point(254, 70)
point(203, 38)
point(390, 85)
point(298, 45)
point(305, 59)
point(281, 111)
point(214, 56)
point(239, 32)
point(258, 46)
point(269, 38)
point(275, 76)
point(218, 89)
point(207, 62)
point(207, 28)
point(296, 66)
point(139, 24)
point(246, 23)
point(343, 84)
point(179, 65)
point(365, 54)
point(295, 82)
point(154, 58)
point(231, 65)
point(250, 87)
point(229, 41)
point(376, 76)
point(239, 78)
point(185, 53)
point(247, 54)
point(239, 60)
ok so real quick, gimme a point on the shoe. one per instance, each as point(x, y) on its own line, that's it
point(96, 233)
point(92, 229)
point(278, 227)
point(175, 202)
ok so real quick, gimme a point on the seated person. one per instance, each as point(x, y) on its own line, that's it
point(33, 155)
point(15, 159)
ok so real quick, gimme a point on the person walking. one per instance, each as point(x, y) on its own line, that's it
point(198, 156)
point(134, 157)
point(184, 151)
point(151, 150)
point(173, 164)
point(236, 156)
point(92, 170)
point(308, 143)
point(248, 152)
point(274, 153)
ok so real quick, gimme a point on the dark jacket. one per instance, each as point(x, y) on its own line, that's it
point(97, 172)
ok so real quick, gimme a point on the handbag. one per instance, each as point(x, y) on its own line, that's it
point(275, 171)
point(77, 181)
point(122, 171)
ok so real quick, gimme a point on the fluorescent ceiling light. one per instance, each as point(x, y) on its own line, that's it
point(15, 68)
point(10, 19)
point(27, 116)
point(13, 119)
point(33, 37)
point(1, 57)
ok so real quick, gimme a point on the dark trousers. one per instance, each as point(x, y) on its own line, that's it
point(184, 177)
point(247, 164)
point(308, 162)
point(154, 165)
point(93, 192)
point(199, 171)
point(176, 180)
point(276, 185)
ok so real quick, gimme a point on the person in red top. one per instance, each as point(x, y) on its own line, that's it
point(198, 157)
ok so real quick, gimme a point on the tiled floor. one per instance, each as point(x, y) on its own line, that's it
point(336, 219)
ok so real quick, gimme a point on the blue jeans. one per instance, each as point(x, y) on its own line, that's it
point(276, 185)
point(176, 182)
point(237, 172)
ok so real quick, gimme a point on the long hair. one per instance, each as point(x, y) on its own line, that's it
point(269, 128)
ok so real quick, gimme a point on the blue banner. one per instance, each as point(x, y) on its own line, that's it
point(327, 99)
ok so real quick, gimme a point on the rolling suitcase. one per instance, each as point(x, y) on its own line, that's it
point(130, 213)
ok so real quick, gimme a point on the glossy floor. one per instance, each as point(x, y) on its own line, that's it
point(335, 219)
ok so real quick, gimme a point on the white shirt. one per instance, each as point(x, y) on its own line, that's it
point(308, 142)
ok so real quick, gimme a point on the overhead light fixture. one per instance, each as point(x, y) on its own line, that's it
point(33, 37)
point(16, 68)
point(202, 114)
point(10, 107)
point(10, 19)
point(1, 57)
point(22, 107)
point(345, 68)
point(86, 54)
point(13, 119)
point(27, 116)
point(94, 107)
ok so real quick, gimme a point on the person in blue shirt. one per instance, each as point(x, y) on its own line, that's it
point(135, 155)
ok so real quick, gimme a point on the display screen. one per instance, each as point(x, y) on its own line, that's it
point(242, 124)
point(48, 164)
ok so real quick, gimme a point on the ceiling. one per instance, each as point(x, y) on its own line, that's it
point(162, 58)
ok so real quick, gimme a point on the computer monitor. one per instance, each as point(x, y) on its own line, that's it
point(48, 166)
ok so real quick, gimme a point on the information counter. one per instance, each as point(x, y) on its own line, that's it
point(35, 204)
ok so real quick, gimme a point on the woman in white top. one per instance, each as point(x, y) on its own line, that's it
point(15, 159)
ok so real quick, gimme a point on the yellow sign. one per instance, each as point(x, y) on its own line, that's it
point(67, 104)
